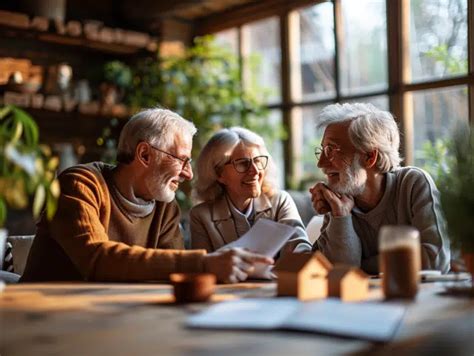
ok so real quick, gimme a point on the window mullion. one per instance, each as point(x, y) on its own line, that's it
point(286, 94)
point(339, 38)
point(406, 98)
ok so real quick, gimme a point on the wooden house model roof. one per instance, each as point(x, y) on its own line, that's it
point(297, 261)
point(340, 270)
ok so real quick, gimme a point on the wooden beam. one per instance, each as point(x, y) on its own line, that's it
point(442, 83)
point(252, 11)
point(288, 151)
point(405, 102)
point(394, 49)
point(339, 38)
point(151, 9)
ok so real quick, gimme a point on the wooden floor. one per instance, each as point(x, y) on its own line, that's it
point(142, 319)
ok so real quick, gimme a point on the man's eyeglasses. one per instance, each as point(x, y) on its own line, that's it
point(242, 165)
point(328, 150)
point(184, 161)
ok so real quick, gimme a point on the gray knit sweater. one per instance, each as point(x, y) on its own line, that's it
point(410, 198)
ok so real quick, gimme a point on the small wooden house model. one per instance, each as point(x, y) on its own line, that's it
point(348, 283)
point(303, 275)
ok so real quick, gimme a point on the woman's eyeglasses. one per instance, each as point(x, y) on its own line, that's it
point(242, 165)
point(328, 150)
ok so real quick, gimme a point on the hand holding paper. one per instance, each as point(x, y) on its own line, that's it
point(233, 265)
point(266, 237)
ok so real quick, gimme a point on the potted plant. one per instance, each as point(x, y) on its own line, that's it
point(117, 79)
point(456, 185)
point(27, 168)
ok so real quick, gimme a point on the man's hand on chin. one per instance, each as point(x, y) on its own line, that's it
point(325, 200)
point(233, 265)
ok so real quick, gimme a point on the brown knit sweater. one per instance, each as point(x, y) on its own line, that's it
point(91, 238)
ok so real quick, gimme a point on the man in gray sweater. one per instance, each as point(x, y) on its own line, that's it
point(367, 189)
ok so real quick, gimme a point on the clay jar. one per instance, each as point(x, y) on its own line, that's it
point(192, 287)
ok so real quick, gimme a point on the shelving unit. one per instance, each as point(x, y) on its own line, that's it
point(87, 57)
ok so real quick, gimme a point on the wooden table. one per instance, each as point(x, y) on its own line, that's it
point(142, 319)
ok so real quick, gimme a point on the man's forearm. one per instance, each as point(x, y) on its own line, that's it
point(340, 243)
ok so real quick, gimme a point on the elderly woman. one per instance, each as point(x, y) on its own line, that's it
point(236, 181)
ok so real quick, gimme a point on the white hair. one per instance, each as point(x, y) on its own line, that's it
point(370, 129)
point(216, 153)
point(156, 126)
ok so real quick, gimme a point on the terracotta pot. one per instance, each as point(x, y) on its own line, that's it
point(193, 287)
point(109, 94)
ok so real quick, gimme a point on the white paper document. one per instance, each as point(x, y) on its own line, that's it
point(266, 237)
point(367, 320)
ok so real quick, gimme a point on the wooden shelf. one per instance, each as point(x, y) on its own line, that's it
point(74, 127)
point(77, 42)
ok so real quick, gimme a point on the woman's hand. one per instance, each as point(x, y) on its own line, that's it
point(233, 265)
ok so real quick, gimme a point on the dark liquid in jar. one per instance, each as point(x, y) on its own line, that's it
point(400, 272)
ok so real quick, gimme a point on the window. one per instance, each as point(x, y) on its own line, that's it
point(438, 39)
point(438, 50)
point(229, 39)
point(338, 51)
point(363, 46)
point(262, 57)
point(437, 113)
point(275, 147)
point(310, 139)
point(317, 53)
point(380, 101)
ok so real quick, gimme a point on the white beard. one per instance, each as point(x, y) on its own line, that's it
point(352, 180)
point(160, 188)
point(165, 194)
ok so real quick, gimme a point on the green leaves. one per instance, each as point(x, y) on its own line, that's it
point(456, 184)
point(26, 168)
point(438, 157)
point(40, 198)
point(452, 64)
point(118, 73)
point(3, 210)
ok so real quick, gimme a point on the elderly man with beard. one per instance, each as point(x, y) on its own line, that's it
point(121, 223)
point(367, 189)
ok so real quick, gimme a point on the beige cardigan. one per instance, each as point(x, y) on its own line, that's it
point(212, 224)
point(76, 244)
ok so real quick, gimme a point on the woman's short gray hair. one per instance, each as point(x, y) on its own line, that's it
point(156, 126)
point(370, 129)
point(216, 153)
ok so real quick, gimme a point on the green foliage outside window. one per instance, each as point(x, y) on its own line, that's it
point(438, 158)
point(456, 184)
point(438, 155)
point(452, 65)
